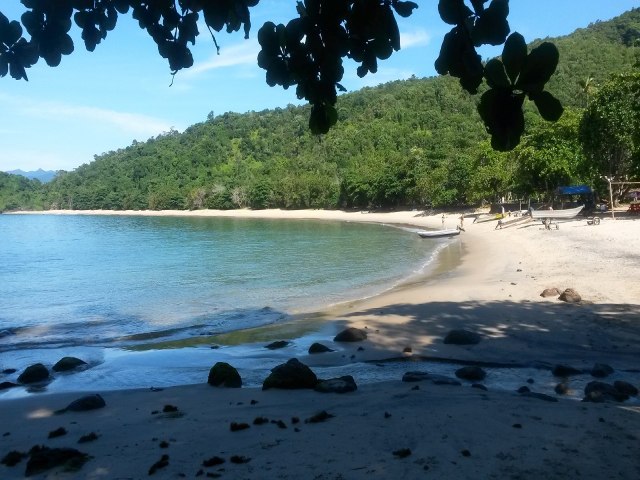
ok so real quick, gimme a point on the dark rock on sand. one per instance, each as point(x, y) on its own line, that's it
point(9, 371)
point(564, 371)
point(319, 348)
point(471, 372)
point(213, 461)
point(12, 458)
point(290, 375)
point(561, 388)
point(84, 404)
point(236, 427)
point(601, 370)
point(162, 463)
point(58, 432)
point(43, 458)
point(6, 385)
point(351, 335)
point(570, 296)
point(224, 375)
point(319, 417)
point(550, 292)
point(238, 459)
point(277, 345)
point(34, 373)
point(625, 388)
point(426, 376)
point(89, 437)
point(68, 363)
point(462, 337)
point(402, 453)
point(337, 385)
point(599, 392)
point(523, 389)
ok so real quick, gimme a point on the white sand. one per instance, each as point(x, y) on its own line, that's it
point(495, 292)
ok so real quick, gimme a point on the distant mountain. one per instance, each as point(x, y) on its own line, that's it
point(43, 175)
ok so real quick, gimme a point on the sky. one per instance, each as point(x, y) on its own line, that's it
point(98, 102)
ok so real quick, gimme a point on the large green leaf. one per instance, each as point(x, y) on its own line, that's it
point(514, 55)
point(540, 65)
point(453, 12)
point(549, 106)
point(495, 74)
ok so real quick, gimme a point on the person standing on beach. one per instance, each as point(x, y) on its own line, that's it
point(443, 220)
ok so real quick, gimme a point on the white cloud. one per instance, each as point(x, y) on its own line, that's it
point(417, 38)
point(240, 54)
point(133, 123)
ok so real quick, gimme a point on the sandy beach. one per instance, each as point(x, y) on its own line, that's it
point(420, 429)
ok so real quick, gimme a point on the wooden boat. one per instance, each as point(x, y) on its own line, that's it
point(449, 232)
point(566, 213)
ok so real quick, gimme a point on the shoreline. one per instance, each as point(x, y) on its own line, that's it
point(393, 428)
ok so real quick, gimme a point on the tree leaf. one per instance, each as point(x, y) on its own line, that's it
point(549, 106)
point(514, 55)
point(495, 74)
point(501, 112)
point(541, 63)
point(404, 9)
point(492, 27)
point(453, 12)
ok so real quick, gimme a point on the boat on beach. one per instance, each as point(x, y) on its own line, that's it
point(566, 213)
point(490, 217)
point(448, 232)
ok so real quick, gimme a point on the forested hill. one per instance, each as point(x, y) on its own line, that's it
point(410, 143)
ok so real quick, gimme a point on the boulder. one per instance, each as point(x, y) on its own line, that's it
point(319, 348)
point(570, 296)
point(601, 370)
point(6, 385)
point(337, 385)
point(84, 404)
point(68, 363)
point(550, 292)
point(564, 371)
point(625, 388)
point(599, 392)
point(34, 373)
point(351, 334)
point(224, 375)
point(276, 345)
point(472, 373)
point(561, 388)
point(462, 337)
point(290, 375)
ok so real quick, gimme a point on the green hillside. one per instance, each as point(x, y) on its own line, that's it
point(406, 143)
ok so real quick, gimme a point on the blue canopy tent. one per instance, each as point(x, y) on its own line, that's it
point(585, 192)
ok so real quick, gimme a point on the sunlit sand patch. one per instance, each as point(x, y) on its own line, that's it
point(40, 413)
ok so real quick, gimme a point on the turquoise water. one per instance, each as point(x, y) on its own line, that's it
point(125, 281)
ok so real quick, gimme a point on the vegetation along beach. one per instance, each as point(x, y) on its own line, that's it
point(251, 296)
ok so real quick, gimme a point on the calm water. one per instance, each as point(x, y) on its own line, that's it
point(125, 281)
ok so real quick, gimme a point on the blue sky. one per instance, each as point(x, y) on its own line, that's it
point(101, 101)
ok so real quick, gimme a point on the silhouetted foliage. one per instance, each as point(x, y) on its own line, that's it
point(308, 51)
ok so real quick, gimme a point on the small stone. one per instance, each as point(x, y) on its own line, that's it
point(319, 417)
point(224, 375)
point(517, 425)
point(561, 389)
point(550, 292)
point(169, 409)
point(570, 296)
point(472, 373)
point(236, 427)
point(343, 384)
point(58, 432)
point(601, 370)
point(523, 389)
point(34, 373)
point(465, 453)
point(319, 348)
point(68, 363)
point(90, 437)
point(238, 459)
point(84, 404)
point(351, 334)
point(213, 462)
point(277, 345)
point(625, 388)
point(407, 350)
point(402, 453)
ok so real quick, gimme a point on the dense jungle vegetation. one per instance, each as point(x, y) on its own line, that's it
point(415, 143)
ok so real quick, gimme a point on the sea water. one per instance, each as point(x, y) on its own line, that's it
point(100, 286)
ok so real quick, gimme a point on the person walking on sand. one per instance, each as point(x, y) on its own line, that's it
point(461, 221)
point(443, 220)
